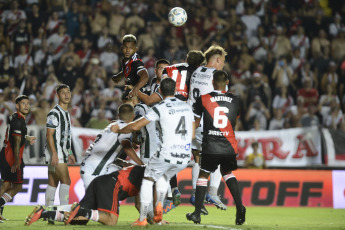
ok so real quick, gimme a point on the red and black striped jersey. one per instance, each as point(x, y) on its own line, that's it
point(181, 73)
point(219, 111)
point(15, 127)
point(130, 178)
point(131, 68)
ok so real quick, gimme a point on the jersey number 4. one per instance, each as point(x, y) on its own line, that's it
point(181, 127)
point(220, 120)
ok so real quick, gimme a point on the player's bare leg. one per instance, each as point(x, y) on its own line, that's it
point(232, 184)
point(9, 191)
point(201, 189)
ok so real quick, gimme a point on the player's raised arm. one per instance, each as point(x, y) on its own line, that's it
point(133, 126)
point(127, 148)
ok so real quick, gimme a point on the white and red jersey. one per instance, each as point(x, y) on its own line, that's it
point(19, 60)
point(59, 43)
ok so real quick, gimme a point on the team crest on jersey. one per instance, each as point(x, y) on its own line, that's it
point(52, 120)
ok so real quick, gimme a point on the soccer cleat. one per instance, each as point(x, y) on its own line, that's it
point(34, 215)
point(203, 211)
point(216, 201)
point(139, 223)
point(168, 206)
point(158, 212)
point(74, 210)
point(176, 197)
point(195, 217)
point(2, 217)
point(241, 216)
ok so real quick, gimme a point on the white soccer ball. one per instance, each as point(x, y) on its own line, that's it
point(177, 16)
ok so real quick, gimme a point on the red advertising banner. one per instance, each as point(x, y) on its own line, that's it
point(265, 187)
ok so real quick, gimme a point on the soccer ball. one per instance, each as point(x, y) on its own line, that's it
point(177, 16)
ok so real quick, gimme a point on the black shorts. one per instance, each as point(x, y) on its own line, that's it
point(210, 162)
point(104, 194)
point(6, 175)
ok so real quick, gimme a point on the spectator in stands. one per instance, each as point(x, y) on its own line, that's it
point(109, 59)
point(77, 93)
point(277, 122)
point(173, 53)
point(43, 58)
point(116, 20)
point(146, 39)
point(32, 87)
point(335, 27)
point(282, 100)
point(53, 24)
point(279, 43)
point(6, 71)
point(19, 38)
point(248, 60)
point(257, 111)
point(36, 20)
point(307, 72)
point(104, 39)
point(13, 17)
point(310, 118)
point(48, 87)
point(82, 34)
point(251, 21)
point(4, 38)
point(70, 53)
point(320, 45)
point(112, 95)
point(97, 21)
point(331, 77)
point(59, 42)
point(300, 41)
point(134, 22)
point(149, 62)
point(4, 108)
point(59, 6)
point(338, 46)
point(95, 69)
point(310, 95)
point(38, 41)
point(241, 78)
point(282, 74)
point(72, 22)
point(255, 160)
point(40, 111)
point(85, 53)
point(98, 122)
point(328, 97)
point(259, 45)
point(23, 58)
point(69, 73)
point(259, 88)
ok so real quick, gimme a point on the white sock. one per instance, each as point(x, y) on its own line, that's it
point(64, 194)
point(94, 215)
point(195, 175)
point(50, 195)
point(146, 190)
point(150, 211)
point(59, 216)
point(215, 179)
point(162, 185)
point(169, 191)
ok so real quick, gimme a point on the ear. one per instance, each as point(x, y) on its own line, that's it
point(17, 106)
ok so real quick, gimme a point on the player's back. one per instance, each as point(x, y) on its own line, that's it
point(200, 83)
point(220, 110)
point(176, 128)
point(181, 74)
point(105, 148)
point(130, 178)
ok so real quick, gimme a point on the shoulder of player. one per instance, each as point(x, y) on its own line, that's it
point(136, 58)
point(16, 118)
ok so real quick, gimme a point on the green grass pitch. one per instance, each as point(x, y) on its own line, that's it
point(257, 218)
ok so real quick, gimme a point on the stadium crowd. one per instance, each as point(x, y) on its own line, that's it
point(286, 58)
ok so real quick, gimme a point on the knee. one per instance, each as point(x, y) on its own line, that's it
point(111, 220)
point(18, 187)
point(66, 181)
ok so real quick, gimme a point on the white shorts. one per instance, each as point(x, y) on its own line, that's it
point(157, 167)
point(197, 141)
point(47, 157)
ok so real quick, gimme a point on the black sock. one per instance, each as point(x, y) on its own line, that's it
point(2, 201)
point(199, 197)
point(233, 187)
point(84, 212)
point(173, 182)
point(48, 214)
point(2, 209)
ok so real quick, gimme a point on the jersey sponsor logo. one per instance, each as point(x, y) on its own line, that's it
point(17, 131)
point(218, 133)
point(181, 147)
point(180, 155)
point(52, 120)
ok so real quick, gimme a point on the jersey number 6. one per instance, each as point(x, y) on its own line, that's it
point(220, 120)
